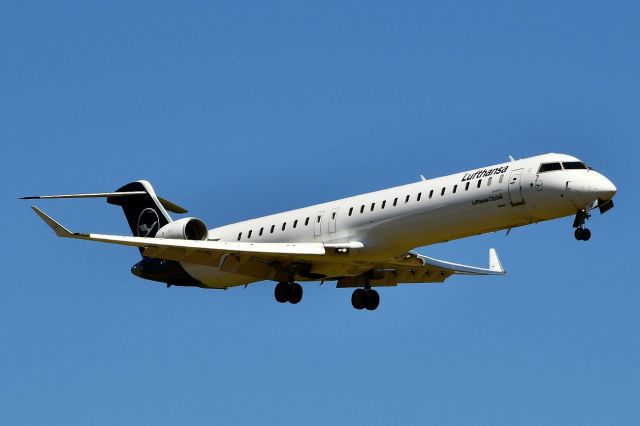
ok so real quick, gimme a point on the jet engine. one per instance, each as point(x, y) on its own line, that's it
point(188, 228)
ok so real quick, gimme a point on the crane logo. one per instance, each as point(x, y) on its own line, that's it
point(147, 222)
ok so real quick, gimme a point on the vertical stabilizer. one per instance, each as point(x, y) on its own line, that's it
point(145, 214)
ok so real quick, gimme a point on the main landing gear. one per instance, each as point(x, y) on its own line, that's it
point(365, 298)
point(288, 292)
point(581, 233)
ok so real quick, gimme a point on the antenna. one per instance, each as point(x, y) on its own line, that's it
point(511, 158)
point(422, 178)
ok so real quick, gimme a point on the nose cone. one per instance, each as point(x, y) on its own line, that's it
point(603, 187)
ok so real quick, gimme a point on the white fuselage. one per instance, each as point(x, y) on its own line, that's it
point(392, 221)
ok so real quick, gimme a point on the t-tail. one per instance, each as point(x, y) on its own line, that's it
point(146, 213)
point(147, 216)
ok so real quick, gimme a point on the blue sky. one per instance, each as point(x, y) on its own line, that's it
point(240, 109)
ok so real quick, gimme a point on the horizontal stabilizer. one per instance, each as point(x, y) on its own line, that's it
point(172, 207)
point(95, 195)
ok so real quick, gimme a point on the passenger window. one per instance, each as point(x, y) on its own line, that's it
point(406, 200)
point(395, 202)
point(319, 217)
point(362, 209)
point(455, 188)
point(549, 167)
point(442, 192)
point(574, 165)
point(419, 196)
point(306, 221)
point(239, 236)
point(373, 206)
point(295, 223)
point(479, 182)
point(249, 234)
point(273, 227)
point(431, 193)
point(489, 181)
point(261, 231)
point(384, 203)
point(466, 187)
point(501, 179)
point(333, 215)
point(284, 225)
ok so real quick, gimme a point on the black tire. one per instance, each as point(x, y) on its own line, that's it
point(578, 234)
point(295, 293)
point(282, 292)
point(373, 300)
point(586, 234)
point(359, 298)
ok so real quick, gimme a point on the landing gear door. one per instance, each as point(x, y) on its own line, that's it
point(317, 224)
point(515, 190)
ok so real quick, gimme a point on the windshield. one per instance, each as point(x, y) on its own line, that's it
point(574, 165)
point(549, 167)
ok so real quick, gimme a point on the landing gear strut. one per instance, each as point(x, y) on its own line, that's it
point(365, 298)
point(581, 233)
point(288, 292)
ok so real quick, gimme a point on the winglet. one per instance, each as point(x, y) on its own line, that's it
point(494, 262)
point(60, 230)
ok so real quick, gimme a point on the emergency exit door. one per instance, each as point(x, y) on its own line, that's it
point(317, 224)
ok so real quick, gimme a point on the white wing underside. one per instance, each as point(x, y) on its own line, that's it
point(243, 257)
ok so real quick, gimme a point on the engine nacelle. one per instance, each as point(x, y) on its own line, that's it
point(188, 228)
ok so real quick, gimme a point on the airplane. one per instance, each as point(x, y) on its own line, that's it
point(362, 242)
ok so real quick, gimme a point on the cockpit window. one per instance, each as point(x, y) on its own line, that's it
point(574, 165)
point(549, 167)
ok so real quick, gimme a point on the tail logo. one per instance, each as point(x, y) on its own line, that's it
point(147, 222)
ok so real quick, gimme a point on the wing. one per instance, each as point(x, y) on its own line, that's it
point(416, 268)
point(225, 255)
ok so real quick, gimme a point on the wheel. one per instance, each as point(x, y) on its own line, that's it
point(295, 293)
point(373, 300)
point(359, 298)
point(586, 234)
point(578, 234)
point(282, 292)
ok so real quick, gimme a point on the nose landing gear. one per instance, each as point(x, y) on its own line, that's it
point(581, 233)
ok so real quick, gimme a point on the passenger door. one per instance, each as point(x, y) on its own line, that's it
point(515, 190)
